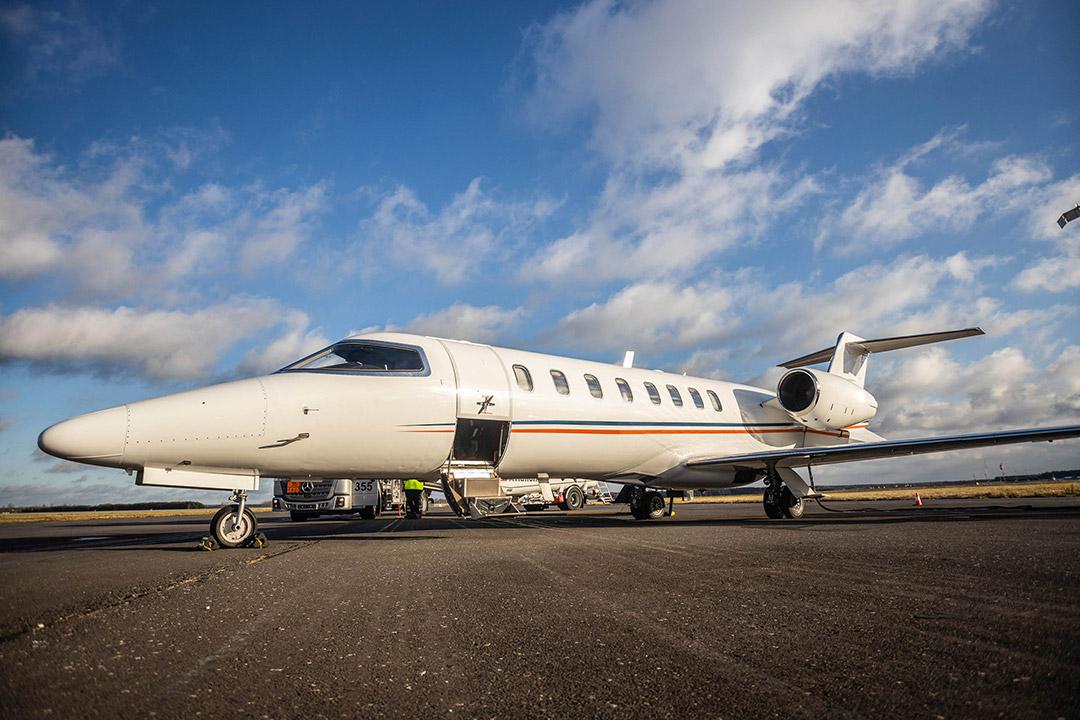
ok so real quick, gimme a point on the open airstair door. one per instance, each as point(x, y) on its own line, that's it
point(483, 402)
point(483, 428)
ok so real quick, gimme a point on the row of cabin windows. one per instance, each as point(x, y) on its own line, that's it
point(525, 382)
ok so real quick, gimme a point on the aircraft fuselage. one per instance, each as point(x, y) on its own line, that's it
point(330, 423)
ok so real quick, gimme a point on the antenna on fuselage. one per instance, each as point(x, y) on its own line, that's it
point(628, 359)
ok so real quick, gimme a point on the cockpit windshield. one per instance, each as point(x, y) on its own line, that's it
point(363, 357)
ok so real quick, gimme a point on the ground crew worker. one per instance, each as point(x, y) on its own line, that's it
point(414, 491)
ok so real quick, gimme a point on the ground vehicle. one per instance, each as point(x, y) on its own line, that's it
point(305, 499)
point(566, 493)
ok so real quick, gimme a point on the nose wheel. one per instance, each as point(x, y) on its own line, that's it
point(235, 526)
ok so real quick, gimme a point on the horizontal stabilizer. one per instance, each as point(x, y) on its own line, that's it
point(882, 345)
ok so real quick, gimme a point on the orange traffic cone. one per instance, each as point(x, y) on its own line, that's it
point(918, 500)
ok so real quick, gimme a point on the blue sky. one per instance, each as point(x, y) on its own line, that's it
point(194, 192)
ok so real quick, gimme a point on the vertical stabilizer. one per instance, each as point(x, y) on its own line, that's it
point(849, 358)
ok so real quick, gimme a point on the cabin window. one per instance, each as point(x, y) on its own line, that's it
point(653, 394)
point(524, 377)
point(696, 397)
point(624, 389)
point(594, 386)
point(715, 401)
point(675, 396)
point(366, 357)
point(561, 386)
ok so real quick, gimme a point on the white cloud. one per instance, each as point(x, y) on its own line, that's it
point(160, 344)
point(116, 219)
point(452, 243)
point(896, 206)
point(298, 340)
point(649, 317)
point(742, 316)
point(468, 322)
point(42, 214)
point(649, 229)
point(928, 392)
point(67, 44)
point(1052, 274)
point(278, 224)
point(680, 95)
point(1047, 204)
point(702, 83)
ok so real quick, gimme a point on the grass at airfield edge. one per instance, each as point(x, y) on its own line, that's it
point(965, 491)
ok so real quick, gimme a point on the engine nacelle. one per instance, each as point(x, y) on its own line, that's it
point(824, 401)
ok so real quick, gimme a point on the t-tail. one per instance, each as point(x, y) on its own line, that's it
point(836, 398)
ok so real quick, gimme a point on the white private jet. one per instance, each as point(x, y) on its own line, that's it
point(398, 405)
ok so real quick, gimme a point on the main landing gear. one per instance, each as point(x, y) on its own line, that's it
point(235, 526)
point(647, 505)
point(779, 501)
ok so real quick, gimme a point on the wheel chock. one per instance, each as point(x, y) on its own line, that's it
point(259, 541)
point(208, 544)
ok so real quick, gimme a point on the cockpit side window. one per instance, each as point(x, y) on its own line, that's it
point(365, 357)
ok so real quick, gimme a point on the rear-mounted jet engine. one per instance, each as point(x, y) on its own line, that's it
point(824, 401)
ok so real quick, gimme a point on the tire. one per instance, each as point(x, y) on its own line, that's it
point(791, 506)
point(574, 497)
point(651, 507)
point(221, 527)
point(367, 512)
point(772, 510)
point(299, 516)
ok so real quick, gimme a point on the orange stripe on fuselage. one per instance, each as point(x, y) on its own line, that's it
point(693, 431)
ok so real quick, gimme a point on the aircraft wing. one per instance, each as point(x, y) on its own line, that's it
point(801, 457)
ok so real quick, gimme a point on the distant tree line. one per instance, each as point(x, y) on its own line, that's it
point(182, 505)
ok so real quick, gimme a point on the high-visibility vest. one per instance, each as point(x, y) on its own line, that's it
point(414, 484)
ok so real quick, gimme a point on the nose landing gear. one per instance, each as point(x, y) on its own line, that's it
point(235, 525)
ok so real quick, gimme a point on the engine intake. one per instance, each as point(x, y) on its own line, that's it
point(824, 401)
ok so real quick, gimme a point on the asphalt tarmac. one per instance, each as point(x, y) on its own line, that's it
point(957, 609)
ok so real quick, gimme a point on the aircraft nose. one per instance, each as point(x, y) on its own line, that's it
point(98, 435)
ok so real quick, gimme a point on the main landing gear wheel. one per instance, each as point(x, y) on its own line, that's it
point(228, 532)
point(649, 507)
point(573, 498)
point(779, 502)
point(791, 506)
point(771, 505)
